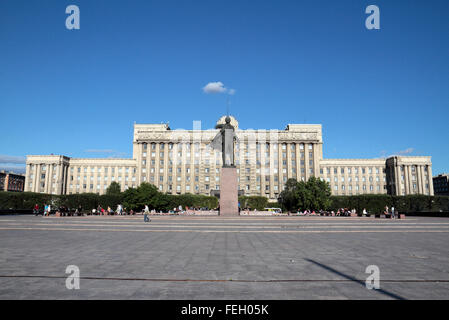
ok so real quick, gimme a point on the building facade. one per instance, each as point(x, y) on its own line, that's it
point(12, 182)
point(441, 184)
point(182, 161)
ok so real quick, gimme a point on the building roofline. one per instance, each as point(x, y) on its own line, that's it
point(357, 159)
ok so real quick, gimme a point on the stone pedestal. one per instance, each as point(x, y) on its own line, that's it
point(229, 192)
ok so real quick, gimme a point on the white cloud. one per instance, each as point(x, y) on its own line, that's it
point(214, 87)
point(12, 159)
point(217, 87)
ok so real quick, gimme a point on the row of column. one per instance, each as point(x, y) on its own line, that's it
point(420, 180)
point(212, 165)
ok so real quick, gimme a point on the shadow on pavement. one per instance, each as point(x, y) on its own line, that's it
point(387, 293)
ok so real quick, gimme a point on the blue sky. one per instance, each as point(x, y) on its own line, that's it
point(78, 92)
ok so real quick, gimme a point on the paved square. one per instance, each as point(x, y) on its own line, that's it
point(223, 258)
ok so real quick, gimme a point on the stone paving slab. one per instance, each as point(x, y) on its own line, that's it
point(239, 258)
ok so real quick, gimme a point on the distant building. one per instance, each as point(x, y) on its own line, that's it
point(10, 181)
point(441, 184)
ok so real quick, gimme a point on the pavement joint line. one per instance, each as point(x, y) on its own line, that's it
point(149, 225)
point(226, 280)
point(239, 218)
point(237, 224)
point(231, 231)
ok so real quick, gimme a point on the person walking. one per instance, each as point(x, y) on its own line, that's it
point(146, 211)
point(393, 216)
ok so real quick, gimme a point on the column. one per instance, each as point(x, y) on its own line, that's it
point(183, 166)
point(406, 181)
point(423, 177)
point(139, 158)
point(59, 180)
point(429, 173)
point(306, 161)
point(409, 173)
point(201, 166)
point(252, 143)
point(289, 161)
point(48, 178)
point(156, 166)
point(397, 179)
point(280, 167)
point(262, 167)
point(340, 191)
point(316, 159)
point(66, 180)
point(298, 163)
point(418, 179)
point(166, 183)
point(148, 166)
point(271, 171)
point(174, 157)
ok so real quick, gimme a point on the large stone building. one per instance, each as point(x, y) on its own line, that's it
point(182, 161)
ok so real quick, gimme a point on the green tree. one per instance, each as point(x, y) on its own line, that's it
point(312, 195)
point(320, 193)
point(129, 199)
point(113, 189)
point(146, 194)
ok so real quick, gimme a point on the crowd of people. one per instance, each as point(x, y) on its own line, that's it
point(120, 210)
point(343, 212)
